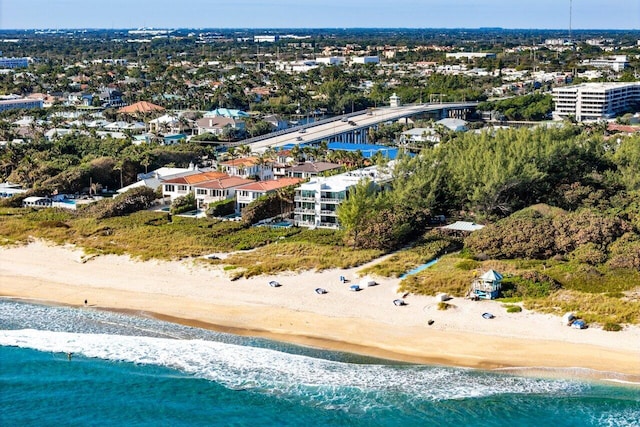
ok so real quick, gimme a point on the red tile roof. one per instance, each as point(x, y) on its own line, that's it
point(222, 183)
point(197, 178)
point(140, 107)
point(623, 128)
point(270, 185)
point(242, 161)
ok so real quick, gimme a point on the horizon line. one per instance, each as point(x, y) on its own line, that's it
point(314, 28)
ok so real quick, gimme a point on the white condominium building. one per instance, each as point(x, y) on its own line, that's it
point(595, 101)
point(317, 201)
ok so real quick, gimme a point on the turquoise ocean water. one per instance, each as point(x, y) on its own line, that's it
point(136, 371)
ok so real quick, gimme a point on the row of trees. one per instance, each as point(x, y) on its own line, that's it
point(533, 107)
point(72, 163)
point(491, 175)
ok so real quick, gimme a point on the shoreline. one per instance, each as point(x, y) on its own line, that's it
point(590, 374)
point(364, 322)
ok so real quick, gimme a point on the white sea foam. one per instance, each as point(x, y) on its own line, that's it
point(271, 371)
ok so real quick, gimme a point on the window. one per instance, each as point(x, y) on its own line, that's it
point(182, 188)
point(169, 188)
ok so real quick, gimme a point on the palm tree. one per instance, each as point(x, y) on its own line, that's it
point(146, 161)
point(295, 152)
point(244, 150)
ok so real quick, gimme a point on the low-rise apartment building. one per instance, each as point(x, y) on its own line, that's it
point(22, 103)
point(317, 201)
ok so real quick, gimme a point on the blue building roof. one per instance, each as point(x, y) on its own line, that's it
point(226, 112)
point(367, 150)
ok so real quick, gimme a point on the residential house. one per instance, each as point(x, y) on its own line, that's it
point(166, 124)
point(276, 122)
point(110, 97)
point(311, 169)
point(248, 167)
point(455, 125)
point(157, 177)
point(183, 185)
point(281, 162)
point(141, 107)
point(419, 135)
point(215, 190)
point(246, 194)
point(217, 125)
point(121, 126)
point(229, 113)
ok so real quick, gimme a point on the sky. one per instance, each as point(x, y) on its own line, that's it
point(527, 14)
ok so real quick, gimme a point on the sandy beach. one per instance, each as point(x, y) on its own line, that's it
point(365, 322)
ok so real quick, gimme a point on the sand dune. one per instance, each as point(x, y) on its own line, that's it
point(366, 322)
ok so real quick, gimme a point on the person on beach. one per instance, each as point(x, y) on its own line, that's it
point(69, 354)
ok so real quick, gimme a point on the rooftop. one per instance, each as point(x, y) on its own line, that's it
point(270, 185)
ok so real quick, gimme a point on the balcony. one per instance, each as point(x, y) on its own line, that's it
point(327, 212)
point(329, 225)
point(304, 199)
point(323, 200)
point(304, 211)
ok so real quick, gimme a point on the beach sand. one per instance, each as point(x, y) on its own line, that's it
point(365, 322)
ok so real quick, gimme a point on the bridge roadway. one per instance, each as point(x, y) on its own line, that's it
point(334, 129)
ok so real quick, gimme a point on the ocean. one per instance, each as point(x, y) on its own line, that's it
point(137, 371)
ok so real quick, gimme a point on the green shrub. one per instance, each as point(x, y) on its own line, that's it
point(612, 327)
point(513, 308)
point(54, 224)
point(183, 204)
point(467, 264)
point(134, 200)
point(589, 253)
point(530, 284)
point(222, 208)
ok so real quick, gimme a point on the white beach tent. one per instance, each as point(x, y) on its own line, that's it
point(367, 281)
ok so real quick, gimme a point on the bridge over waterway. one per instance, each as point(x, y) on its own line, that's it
point(354, 127)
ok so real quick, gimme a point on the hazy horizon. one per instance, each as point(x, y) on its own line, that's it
point(316, 14)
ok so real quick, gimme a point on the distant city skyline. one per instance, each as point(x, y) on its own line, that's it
point(522, 14)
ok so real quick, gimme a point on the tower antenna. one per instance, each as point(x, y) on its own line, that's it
point(570, 16)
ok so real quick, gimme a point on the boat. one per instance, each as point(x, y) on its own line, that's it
point(274, 284)
point(399, 302)
point(488, 315)
point(321, 291)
